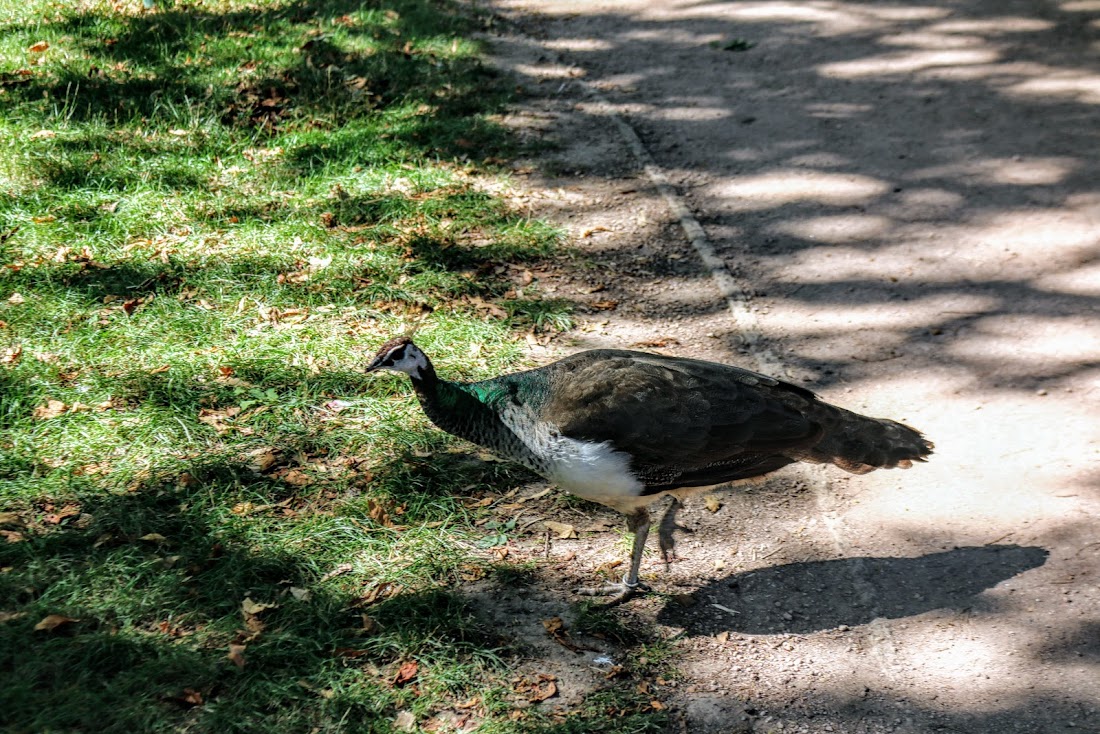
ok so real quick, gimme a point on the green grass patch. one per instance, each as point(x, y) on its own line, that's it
point(210, 519)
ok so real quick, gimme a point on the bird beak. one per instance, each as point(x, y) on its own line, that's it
point(374, 366)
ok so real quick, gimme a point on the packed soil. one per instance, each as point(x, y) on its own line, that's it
point(898, 206)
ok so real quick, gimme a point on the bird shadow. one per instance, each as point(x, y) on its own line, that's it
point(811, 596)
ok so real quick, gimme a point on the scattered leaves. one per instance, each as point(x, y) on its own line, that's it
point(538, 689)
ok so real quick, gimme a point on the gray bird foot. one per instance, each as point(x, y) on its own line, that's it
point(619, 592)
point(665, 538)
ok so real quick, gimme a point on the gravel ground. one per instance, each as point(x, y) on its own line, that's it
point(899, 208)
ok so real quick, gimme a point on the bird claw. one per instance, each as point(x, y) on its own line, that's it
point(619, 592)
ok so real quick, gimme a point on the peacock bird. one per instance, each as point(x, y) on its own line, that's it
point(624, 428)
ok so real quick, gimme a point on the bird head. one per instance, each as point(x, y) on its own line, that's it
point(401, 355)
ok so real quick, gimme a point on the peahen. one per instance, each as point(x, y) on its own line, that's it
point(623, 428)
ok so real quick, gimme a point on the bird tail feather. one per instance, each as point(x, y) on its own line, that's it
point(859, 444)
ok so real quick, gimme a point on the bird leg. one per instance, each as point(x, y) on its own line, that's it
point(665, 531)
point(637, 522)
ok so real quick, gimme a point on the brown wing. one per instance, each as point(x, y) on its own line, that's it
point(679, 417)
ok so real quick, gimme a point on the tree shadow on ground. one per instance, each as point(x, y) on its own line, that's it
point(818, 595)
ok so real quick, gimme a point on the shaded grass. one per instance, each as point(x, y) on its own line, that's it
point(209, 214)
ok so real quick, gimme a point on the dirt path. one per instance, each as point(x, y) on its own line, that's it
point(900, 208)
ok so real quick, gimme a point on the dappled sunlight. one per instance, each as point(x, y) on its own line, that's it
point(1018, 170)
point(1074, 85)
point(836, 229)
point(769, 190)
point(1051, 341)
point(907, 63)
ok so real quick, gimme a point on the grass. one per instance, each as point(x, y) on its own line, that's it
point(211, 520)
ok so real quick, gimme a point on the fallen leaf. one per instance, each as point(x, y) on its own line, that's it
point(260, 460)
point(55, 518)
point(249, 607)
point(52, 409)
point(189, 697)
point(11, 355)
point(236, 655)
point(563, 530)
point(338, 571)
point(404, 721)
point(664, 341)
point(12, 536)
point(600, 526)
point(11, 520)
point(656, 705)
point(300, 594)
point(153, 538)
point(297, 478)
point(406, 673)
point(11, 616)
point(722, 637)
point(16, 298)
point(51, 622)
point(38, 48)
point(553, 625)
point(713, 503)
point(158, 370)
point(605, 305)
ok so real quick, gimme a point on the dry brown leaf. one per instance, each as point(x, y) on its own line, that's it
point(38, 48)
point(55, 518)
point(404, 721)
point(302, 595)
point(713, 503)
point(563, 530)
point(153, 538)
point(52, 409)
point(11, 616)
point(16, 298)
point(338, 571)
point(12, 536)
point(189, 697)
point(656, 705)
point(158, 370)
point(11, 520)
point(297, 478)
point(249, 607)
point(553, 625)
point(260, 460)
point(52, 621)
point(664, 341)
point(236, 655)
point(406, 673)
point(605, 305)
point(722, 637)
point(12, 355)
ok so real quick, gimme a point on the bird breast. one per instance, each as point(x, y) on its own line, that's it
point(595, 471)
